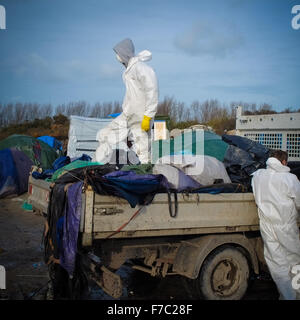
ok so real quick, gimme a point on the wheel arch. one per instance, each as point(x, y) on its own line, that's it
point(192, 253)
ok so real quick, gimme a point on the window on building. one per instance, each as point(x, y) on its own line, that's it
point(270, 140)
point(293, 144)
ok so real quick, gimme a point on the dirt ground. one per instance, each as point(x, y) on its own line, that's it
point(21, 254)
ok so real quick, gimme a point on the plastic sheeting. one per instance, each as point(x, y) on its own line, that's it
point(193, 142)
point(177, 179)
point(243, 157)
point(82, 135)
point(205, 170)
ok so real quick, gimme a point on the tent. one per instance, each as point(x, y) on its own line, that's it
point(52, 142)
point(14, 172)
point(38, 151)
point(196, 142)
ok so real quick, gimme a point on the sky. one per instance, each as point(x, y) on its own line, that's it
point(60, 51)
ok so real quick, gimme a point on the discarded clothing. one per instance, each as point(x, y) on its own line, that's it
point(71, 228)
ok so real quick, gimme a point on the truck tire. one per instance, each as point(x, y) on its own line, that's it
point(224, 275)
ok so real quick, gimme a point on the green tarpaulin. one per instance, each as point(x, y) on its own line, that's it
point(73, 165)
point(196, 142)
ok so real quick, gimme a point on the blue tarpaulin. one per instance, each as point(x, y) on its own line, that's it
point(71, 224)
point(135, 188)
point(52, 142)
point(113, 115)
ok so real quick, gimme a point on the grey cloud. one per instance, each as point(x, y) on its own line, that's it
point(217, 40)
point(39, 68)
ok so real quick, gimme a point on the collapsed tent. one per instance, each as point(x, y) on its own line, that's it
point(14, 172)
point(38, 151)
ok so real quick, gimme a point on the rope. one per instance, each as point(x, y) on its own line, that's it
point(125, 224)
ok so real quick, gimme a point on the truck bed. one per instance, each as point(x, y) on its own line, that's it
point(197, 214)
point(202, 213)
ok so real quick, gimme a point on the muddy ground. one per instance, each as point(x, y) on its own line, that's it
point(21, 254)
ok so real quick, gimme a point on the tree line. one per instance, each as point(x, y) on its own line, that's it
point(212, 112)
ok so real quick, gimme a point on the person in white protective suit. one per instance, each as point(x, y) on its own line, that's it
point(138, 109)
point(277, 195)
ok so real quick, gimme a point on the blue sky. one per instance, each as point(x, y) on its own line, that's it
point(58, 51)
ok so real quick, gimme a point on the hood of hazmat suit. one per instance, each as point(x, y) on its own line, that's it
point(277, 195)
point(125, 50)
point(141, 99)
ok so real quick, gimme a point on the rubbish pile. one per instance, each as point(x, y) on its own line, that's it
point(186, 166)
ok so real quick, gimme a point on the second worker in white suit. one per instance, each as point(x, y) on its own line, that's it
point(138, 109)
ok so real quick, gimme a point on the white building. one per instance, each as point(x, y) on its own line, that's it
point(275, 131)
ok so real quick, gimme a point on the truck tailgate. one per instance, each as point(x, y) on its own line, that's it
point(197, 213)
point(38, 193)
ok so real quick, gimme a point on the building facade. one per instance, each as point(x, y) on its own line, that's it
point(275, 131)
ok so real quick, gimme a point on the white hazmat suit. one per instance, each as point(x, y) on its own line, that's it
point(140, 101)
point(277, 195)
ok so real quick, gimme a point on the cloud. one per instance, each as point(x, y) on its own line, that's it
point(207, 39)
point(109, 71)
point(36, 67)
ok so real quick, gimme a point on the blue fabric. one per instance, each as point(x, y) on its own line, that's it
point(57, 164)
point(113, 115)
point(14, 172)
point(52, 142)
point(23, 166)
point(84, 157)
point(135, 188)
point(59, 233)
point(71, 228)
point(8, 174)
point(60, 162)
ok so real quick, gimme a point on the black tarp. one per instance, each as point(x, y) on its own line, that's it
point(243, 157)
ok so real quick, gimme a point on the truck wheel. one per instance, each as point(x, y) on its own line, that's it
point(224, 275)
